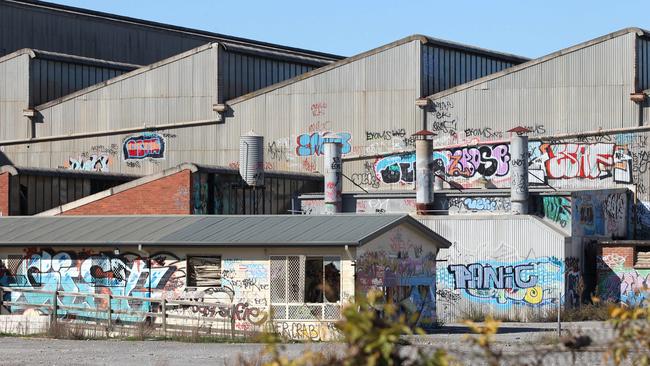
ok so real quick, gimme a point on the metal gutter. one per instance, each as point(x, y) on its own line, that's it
point(17, 170)
point(120, 131)
point(57, 56)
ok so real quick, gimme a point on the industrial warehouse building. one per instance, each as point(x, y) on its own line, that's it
point(296, 271)
point(167, 116)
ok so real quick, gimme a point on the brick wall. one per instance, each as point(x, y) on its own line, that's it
point(4, 194)
point(626, 252)
point(165, 196)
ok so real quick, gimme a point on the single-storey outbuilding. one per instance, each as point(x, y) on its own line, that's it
point(293, 271)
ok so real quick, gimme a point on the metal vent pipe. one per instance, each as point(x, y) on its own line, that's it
point(333, 172)
point(251, 159)
point(424, 166)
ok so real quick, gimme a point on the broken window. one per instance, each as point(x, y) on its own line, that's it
point(204, 271)
point(305, 287)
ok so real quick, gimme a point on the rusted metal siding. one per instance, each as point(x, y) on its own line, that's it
point(444, 68)
point(585, 89)
point(498, 241)
point(14, 97)
point(52, 79)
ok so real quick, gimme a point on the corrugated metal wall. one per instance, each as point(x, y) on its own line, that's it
point(25, 26)
point(444, 68)
point(52, 79)
point(499, 241)
point(95, 36)
point(368, 102)
point(181, 89)
point(582, 90)
point(14, 98)
point(241, 74)
point(643, 63)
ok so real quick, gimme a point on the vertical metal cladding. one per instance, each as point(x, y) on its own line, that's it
point(333, 173)
point(519, 174)
point(251, 159)
point(424, 172)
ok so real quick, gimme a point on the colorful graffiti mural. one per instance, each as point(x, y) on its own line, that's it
point(143, 146)
point(466, 162)
point(531, 282)
point(241, 297)
point(620, 281)
point(86, 272)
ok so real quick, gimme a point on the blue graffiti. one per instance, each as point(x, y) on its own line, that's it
point(532, 282)
point(103, 273)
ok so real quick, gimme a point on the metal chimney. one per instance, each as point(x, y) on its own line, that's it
point(251, 159)
point(333, 172)
point(519, 170)
point(424, 178)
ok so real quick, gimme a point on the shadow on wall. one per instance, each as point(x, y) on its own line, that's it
point(4, 160)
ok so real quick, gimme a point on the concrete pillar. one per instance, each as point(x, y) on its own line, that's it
point(333, 172)
point(424, 172)
point(519, 174)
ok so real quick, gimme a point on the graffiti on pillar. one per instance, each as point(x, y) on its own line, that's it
point(143, 146)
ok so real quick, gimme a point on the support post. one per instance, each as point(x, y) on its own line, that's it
point(164, 317)
point(109, 312)
point(424, 178)
point(333, 173)
point(519, 171)
point(55, 308)
point(2, 295)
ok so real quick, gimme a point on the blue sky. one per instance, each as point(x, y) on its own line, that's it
point(527, 28)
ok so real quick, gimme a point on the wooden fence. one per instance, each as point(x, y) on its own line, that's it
point(157, 316)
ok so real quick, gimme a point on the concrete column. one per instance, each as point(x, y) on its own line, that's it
point(424, 172)
point(519, 174)
point(333, 172)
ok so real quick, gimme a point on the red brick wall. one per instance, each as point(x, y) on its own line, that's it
point(165, 196)
point(626, 252)
point(4, 194)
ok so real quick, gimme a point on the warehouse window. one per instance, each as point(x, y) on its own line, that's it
point(305, 287)
point(204, 271)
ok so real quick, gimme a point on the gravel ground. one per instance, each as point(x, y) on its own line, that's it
point(514, 338)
